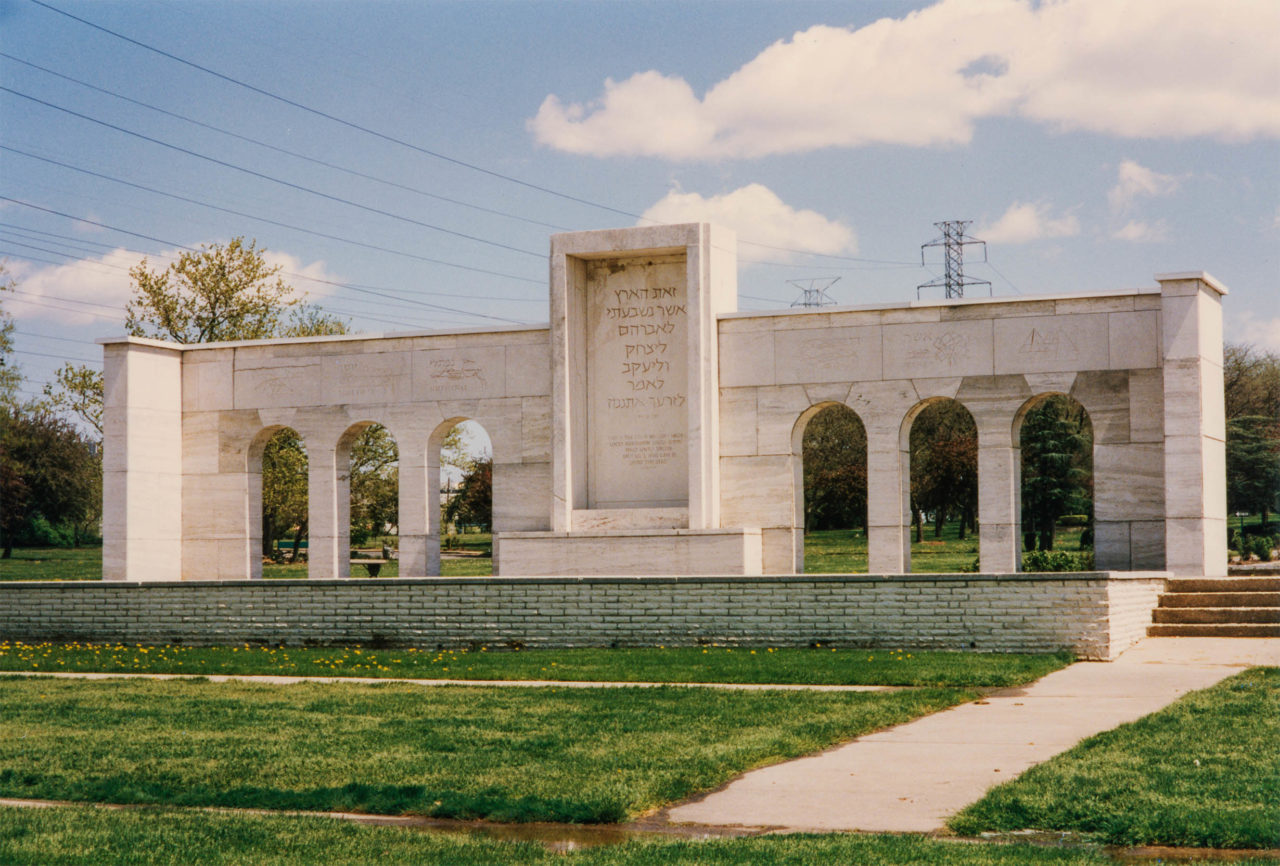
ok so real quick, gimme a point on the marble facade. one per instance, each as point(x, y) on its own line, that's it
point(653, 429)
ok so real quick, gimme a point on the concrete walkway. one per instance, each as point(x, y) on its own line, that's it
point(913, 777)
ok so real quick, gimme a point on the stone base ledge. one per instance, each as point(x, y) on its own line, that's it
point(642, 552)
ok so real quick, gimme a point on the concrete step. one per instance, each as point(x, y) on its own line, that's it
point(1171, 615)
point(1220, 599)
point(1224, 584)
point(1215, 630)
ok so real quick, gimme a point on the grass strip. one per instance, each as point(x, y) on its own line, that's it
point(541, 754)
point(94, 837)
point(818, 665)
point(1204, 771)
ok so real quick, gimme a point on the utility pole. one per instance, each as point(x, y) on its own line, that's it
point(953, 240)
point(813, 292)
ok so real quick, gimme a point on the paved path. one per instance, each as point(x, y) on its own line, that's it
point(271, 679)
point(913, 777)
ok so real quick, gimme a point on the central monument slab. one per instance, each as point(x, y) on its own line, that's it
point(635, 408)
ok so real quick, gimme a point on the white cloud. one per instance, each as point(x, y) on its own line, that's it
point(1131, 68)
point(1030, 221)
point(83, 292)
point(757, 214)
point(1134, 181)
point(1259, 330)
point(1138, 231)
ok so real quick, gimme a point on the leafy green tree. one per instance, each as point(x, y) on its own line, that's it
point(472, 504)
point(10, 373)
point(834, 451)
point(1057, 468)
point(77, 388)
point(284, 490)
point(944, 467)
point(375, 483)
point(1251, 380)
point(48, 472)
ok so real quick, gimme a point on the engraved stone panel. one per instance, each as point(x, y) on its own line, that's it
point(368, 378)
point(280, 382)
point(1051, 344)
point(637, 325)
point(944, 349)
point(459, 373)
point(827, 355)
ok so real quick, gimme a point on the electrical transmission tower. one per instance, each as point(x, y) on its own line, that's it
point(813, 292)
point(953, 241)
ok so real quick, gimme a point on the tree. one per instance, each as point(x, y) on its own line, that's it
point(220, 293)
point(10, 374)
point(1057, 468)
point(472, 504)
point(284, 490)
point(1251, 380)
point(78, 388)
point(944, 467)
point(375, 483)
point(49, 476)
point(834, 451)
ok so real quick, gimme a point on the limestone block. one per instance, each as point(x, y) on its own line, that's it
point(947, 388)
point(529, 368)
point(828, 392)
point(778, 409)
point(1128, 481)
point(1050, 344)
point(598, 519)
point(1134, 340)
point(1147, 544)
point(521, 496)
point(1111, 546)
point(999, 548)
point(459, 373)
point(1194, 477)
point(888, 549)
point(502, 420)
point(216, 506)
point(827, 355)
point(1050, 383)
point(535, 429)
point(883, 405)
point(201, 448)
point(1095, 304)
point(738, 422)
point(758, 491)
point(782, 550)
point(943, 349)
point(639, 552)
point(746, 359)
point(981, 309)
point(273, 382)
point(1196, 547)
point(1146, 406)
point(208, 380)
point(382, 377)
point(1105, 396)
point(911, 315)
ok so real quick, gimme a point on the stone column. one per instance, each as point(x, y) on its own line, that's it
point(1194, 425)
point(888, 502)
point(998, 495)
point(415, 498)
point(328, 507)
point(142, 460)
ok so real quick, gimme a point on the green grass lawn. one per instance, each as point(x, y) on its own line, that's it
point(1204, 771)
point(91, 837)
point(817, 665)
point(53, 563)
point(577, 755)
point(844, 551)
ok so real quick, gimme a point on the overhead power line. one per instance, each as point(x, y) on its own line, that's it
point(285, 151)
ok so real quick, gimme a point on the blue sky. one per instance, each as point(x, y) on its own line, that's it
point(1092, 143)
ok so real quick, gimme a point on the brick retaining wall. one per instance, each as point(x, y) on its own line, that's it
point(1095, 614)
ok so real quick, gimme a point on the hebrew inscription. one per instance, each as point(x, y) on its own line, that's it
point(637, 377)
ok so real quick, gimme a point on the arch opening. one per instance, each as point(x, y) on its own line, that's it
point(831, 506)
point(943, 488)
point(464, 528)
point(373, 518)
point(278, 507)
point(1055, 435)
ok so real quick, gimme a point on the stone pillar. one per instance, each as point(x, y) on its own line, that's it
point(142, 460)
point(1194, 425)
point(998, 499)
point(888, 502)
point(416, 497)
point(327, 522)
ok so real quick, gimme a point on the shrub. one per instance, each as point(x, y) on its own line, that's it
point(41, 533)
point(1057, 560)
point(1073, 520)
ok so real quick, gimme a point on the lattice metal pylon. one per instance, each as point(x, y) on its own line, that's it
point(953, 241)
point(813, 292)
